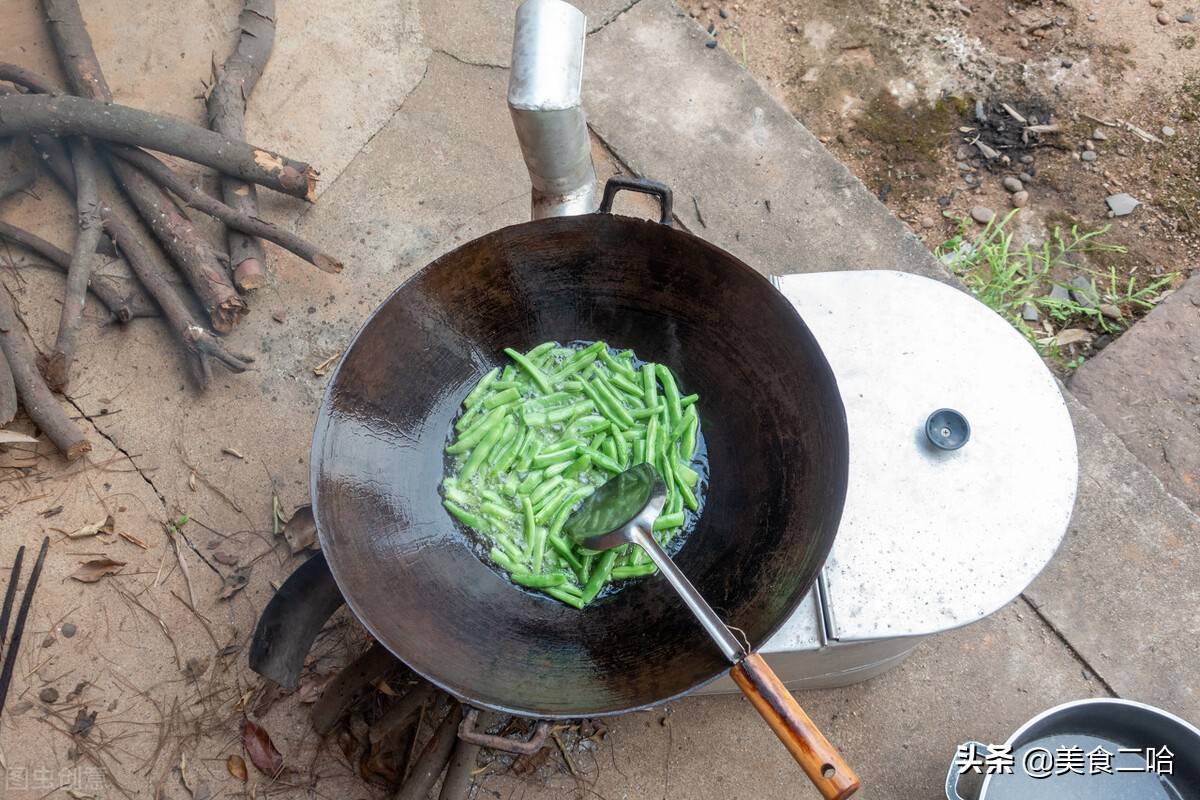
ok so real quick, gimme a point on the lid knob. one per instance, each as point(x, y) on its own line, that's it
point(947, 429)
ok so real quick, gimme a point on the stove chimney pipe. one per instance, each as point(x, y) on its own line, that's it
point(545, 98)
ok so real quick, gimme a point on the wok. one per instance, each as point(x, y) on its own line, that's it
point(771, 416)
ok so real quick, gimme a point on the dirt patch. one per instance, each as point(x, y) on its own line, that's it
point(892, 87)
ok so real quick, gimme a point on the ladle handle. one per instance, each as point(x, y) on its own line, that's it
point(817, 757)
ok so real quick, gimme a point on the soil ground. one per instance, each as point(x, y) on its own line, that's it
point(891, 87)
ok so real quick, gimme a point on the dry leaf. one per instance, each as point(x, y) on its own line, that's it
point(103, 526)
point(324, 366)
point(229, 451)
point(221, 557)
point(237, 767)
point(300, 532)
point(1072, 336)
point(382, 687)
point(12, 437)
point(261, 750)
point(234, 583)
point(97, 568)
point(312, 685)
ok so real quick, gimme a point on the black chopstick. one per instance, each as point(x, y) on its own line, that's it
point(10, 658)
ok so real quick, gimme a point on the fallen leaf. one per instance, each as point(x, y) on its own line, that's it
point(237, 767)
point(382, 687)
point(192, 481)
point(229, 451)
point(228, 559)
point(97, 568)
point(300, 532)
point(12, 437)
point(83, 723)
point(1071, 336)
point(234, 583)
point(103, 526)
point(326, 365)
point(312, 685)
point(261, 749)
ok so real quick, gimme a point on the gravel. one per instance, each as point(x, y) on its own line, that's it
point(982, 214)
point(1019, 199)
point(1163, 18)
point(1121, 204)
point(1088, 155)
point(1011, 184)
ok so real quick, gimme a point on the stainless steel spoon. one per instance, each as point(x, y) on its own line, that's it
point(623, 511)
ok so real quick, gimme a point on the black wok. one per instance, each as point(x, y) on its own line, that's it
point(771, 414)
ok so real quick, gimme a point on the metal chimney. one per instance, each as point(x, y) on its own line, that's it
point(546, 101)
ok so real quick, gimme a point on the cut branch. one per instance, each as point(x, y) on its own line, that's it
point(65, 115)
point(27, 79)
point(110, 290)
point(235, 80)
point(39, 403)
point(194, 256)
point(433, 758)
point(83, 260)
point(233, 217)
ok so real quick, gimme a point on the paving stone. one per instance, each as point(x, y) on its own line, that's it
point(1122, 589)
point(1146, 388)
point(767, 189)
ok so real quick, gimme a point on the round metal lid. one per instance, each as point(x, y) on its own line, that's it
point(930, 538)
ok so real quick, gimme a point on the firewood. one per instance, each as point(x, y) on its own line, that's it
point(234, 81)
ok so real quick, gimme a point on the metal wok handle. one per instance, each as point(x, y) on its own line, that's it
point(643, 185)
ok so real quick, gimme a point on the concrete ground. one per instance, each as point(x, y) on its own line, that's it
point(401, 105)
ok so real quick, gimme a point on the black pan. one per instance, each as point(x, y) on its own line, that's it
point(771, 415)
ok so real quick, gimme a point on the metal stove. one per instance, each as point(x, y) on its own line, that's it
point(931, 538)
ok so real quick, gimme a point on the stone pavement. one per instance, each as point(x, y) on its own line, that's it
point(401, 104)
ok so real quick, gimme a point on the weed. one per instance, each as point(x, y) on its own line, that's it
point(1006, 278)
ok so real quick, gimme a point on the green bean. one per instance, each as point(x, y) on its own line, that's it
point(468, 417)
point(527, 526)
point(686, 473)
point(456, 495)
point(464, 516)
point(499, 386)
point(651, 440)
point(578, 466)
point(503, 560)
point(473, 435)
point(488, 494)
point(547, 401)
point(540, 350)
point(553, 457)
point(609, 449)
point(667, 521)
point(481, 452)
point(510, 455)
point(535, 419)
point(649, 386)
point(564, 550)
point(527, 453)
point(605, 392)
point(598, 440)
point(510, 484)
point(509, 395)
point(538, 581)
point(585, 357)
point(535, 374)
point(566, 412)
point(559, 593)
point(688, 399)
point(601, 405)
point(688, 440)
point(602, 461)
point(591, 424)
point(599, 575)
point(639, 451)
point(497, 511)
point(689, 498)
point(558, 469)
point(504, 443)
point(640, 414)
point(481, 388)
point(548, 486)
point(539, 549)
point(627, 387)
point(617, 367)
point(545, 510)
point(636, 571)
point(670, 391)
point(622, 447)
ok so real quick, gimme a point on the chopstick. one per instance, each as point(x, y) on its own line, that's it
point(10, 658)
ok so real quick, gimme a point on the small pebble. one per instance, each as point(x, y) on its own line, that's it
point(1029, 312)
point(1122, 204)
point(1099, 135)
point(1011, 184)
point(68, 629)
point(48, 695)
point(1024, 43)
point(723, 13)
point(1019, 199)
point(1067, 63)
point(982, 214)
point(1026, 159)
point(1102, 341)
point(963, 166)
point(927, 222)
point(1156, 3)
point(1187, 18)
point(1089, 145)
point(1091, 17)
point(1088, 155)
point(1168, 131)
point(1163, 18)
point(970, 180)
point(1025, 177)
point(711, 43)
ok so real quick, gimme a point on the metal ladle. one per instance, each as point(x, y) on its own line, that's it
point(623, 511)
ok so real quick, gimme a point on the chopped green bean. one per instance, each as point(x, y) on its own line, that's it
point(481, 451)
point(536, 581)
point(472, 436)
point(688, 399)
point(546, 487)
point(635, 571)
point(545, 459)
point(501, 398)
point(599, 575)
point(667, 521)
point(464, 516)
point(670, 391)
point(481, 388)
point(535, 374)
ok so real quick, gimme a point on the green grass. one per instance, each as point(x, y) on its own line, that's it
point(1005, 278)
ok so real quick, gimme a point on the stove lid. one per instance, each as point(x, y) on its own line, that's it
point(935, 538)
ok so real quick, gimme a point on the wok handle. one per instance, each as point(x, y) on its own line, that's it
point(821, 762)
point(644, 185)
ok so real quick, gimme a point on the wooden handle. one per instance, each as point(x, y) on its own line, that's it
point(820, 761)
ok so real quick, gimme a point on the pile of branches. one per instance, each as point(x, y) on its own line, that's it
point(82, 138)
